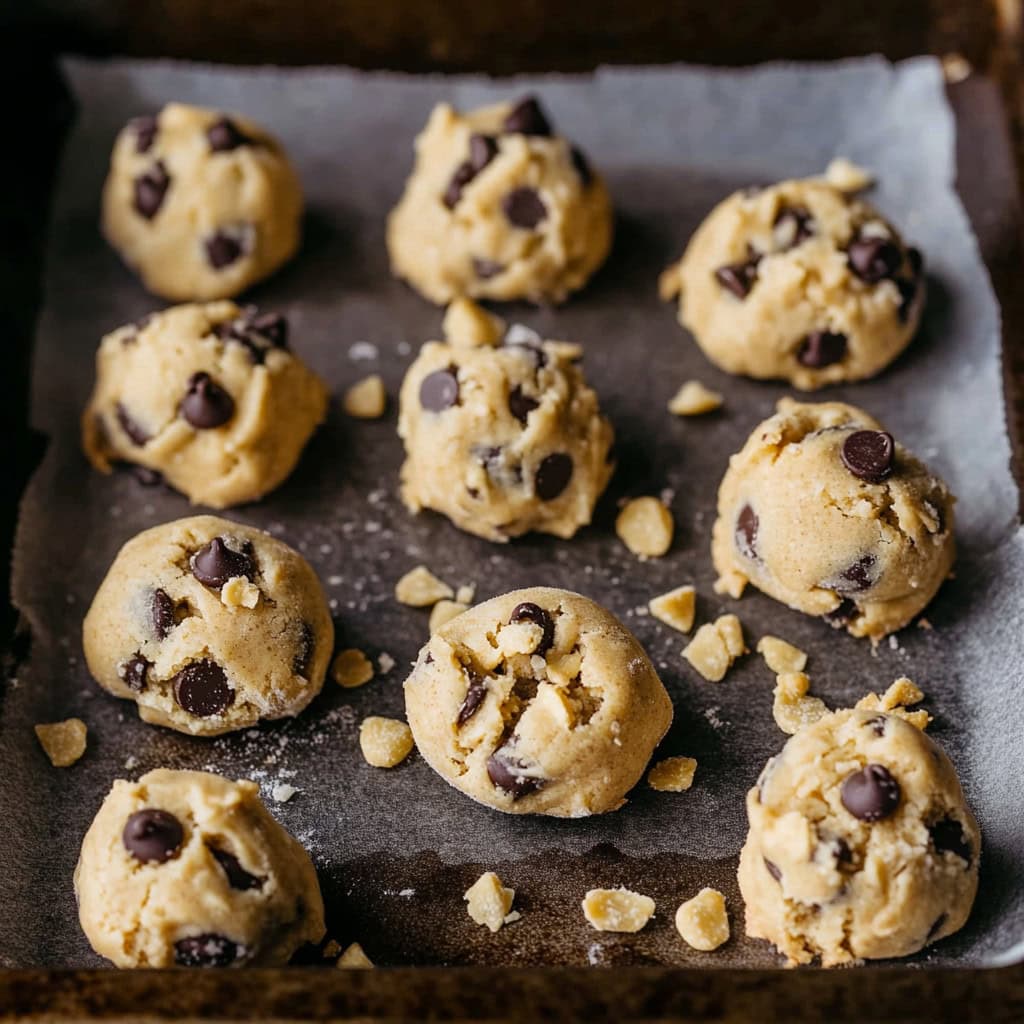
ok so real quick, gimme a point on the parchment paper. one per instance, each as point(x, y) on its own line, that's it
point(396, 849)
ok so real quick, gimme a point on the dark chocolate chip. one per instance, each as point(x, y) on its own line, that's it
point(524, 208)
point(134, 672)
point(936, 927)
point(162, 612)
point(150, 189)
point(739, 278)
point(821, 348)
point(869, 455)
point(152, 835)
point(206, 404)
point(470, 705)
point(841, 851)
point(137, 434)
point(486, 269)
point(272, 326)
point(582, 166)
point(527, 118)
point(552, 476)
point(146, 476)
point(773, 869)
point(916, 260)
point(257, 332)
point(873, 259)
point(842, 613)
point(201, 688)
point(793, 225)
point(870, 794)
point(510, 774)
point(306, 649)
point(224, 135)
point(144, 129)
point(948, 836)
point(877, 725)
point(482, 150)
point(858, 577)
point(439, 390)
point(238, 877)
point(521, 405)
point(206, 950)
point(530, 612)
point(223, 248)
point(908, 292)
point(745, 533)
point(461, 177)
point(215, 563)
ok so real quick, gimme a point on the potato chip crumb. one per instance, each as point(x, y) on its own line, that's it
point(444, 611)
point(469, 325)
point(466, 593)
point(617, 910)
point(645, 526)
point(63, 742)
point(731, 583)
point(901, 694)
point(780, 656)
point(366, 399)
point(694, 399)
point(676, 608)
point(384, 742)
point(488, 902)
point(351, 668)
point(354, 959)
point(846, 176)
point(239, 592)
point(792, 709)
point(703, 921)
point(332, 950)
point(420, 588)
point(673, 775)
point(715, 647)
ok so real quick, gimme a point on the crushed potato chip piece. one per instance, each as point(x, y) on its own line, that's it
point(466, 593)
point(63, 742)
point(467, 324)
point(444, 611)
point(384, 742)
point(780, 656)
point(617, 910)
point(354, 958)
point(732, 583)
point(702, 921)
point(846, 176)
point(895, 701)
point(351, 668)
point(694, 399)
point(715, 647)
point(676, 608)
point(792, 708)
point(673, 775)
point(645, 526)
point(420, 588)
point(366, 399)
point(488, 902)
point(239, 592)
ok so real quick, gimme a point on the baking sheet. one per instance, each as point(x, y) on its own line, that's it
point(396, 849)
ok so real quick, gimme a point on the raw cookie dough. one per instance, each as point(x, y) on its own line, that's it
point(799, 281)
point(209, 626)
point(824, 512)
point(200, 205)
point(206, 395)
point(498, 207)
point(503, 437)
point(188, 869)
point(860, 845)
point(537, 702)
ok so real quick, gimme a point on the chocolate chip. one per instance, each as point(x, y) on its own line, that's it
point(461, 177)
point(134, 672)
point(207, 950)
point(149, 190)
point(272, 326)
point(745, 533)
point(224, 135)
point(257, 332)
point(201, 688)
point(873, 259)
point(474, 698)
point(527, 118)
point(524, 208)
point(841, 851)
point(869, 455)
point(146, 476)
point(821, 348)
point(948, 836)
point(858, 577)
point(510, 774)
point(206, 404)
point(137, 434)
point(936, 927)
point(870, 794)
point(215, 563)
point(486, 269)
point(306, 649)
point(908, 292)
point(552, 476)
point(916, 260)
point(152, 835)
point(162, 612)
point(482, 150)
point(144, 129)
point(877, 725)
point(582, 166)
point(793, 225)
point(223, 248)
point(521, 405)
point(739, 278)
point(842, 613)
point(439, 390)
point(773, 869)
point(238, 877)
point(530, 612)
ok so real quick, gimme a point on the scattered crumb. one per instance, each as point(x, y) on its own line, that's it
point(715, 647)
point(384, 742)
point(466, 593)
point(617, 910)
point(63, 742)
point(702, 921)
point(385, 663)
point(354, 959)
point(732, 583)
point(676, 608)
point(444, 611)
point(366, 399)
point(673, 775)
point(351, 668)
point(420, 588)
point(467, 324)
point(283, 792)
point(792, 708)
point(780, 656)
point(645, 526)
point(332, 950)
point(902, 694)
point(923, 623)
point(489, 902)
point(239, 592)
point(694, 399)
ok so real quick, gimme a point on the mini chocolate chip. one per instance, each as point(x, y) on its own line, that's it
point(137, 434)
point(873, 259)
point(869, 455)
point(439, 390)
point(527, 118)
point(162, 613)
point(149, 190)
point(821, 348)
point(870, 794)
point(877, 725)
point(146, 476)
point(223, 248)
point(739, 278)
point(745, 533)
point(134, 672)
point(461, 177)
point(482, 150)
point(793, 225)
point(858, 577)
point(524, 208)
point(530, 612)
point(206, 404)
point(224, 135)
point(429, 659)
point(305, 651)
point(582, 166)
point(486, 269)
point(773, 869)
point(215, 563)
point(474, 698)
point(842, 613)
point(207, 950)
point(521, 405)
point(936, 927)
point(201, 688)
point(948, 836)
point(552, 476)
point(510, 774)
point(152, 835)
point(144, 129)
point(238, 877)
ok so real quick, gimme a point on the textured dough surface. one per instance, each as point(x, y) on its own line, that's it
point(151, 606)
point(144, 372)
point(846, 888)
point(566, 729)
point(227, 217)
point(134, 912)
point(794, 521)
point(804, 283)
point(473, 248)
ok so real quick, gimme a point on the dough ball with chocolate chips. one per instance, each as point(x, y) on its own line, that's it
point(209, 626)
point(537, 702)
point(800, 282)
point(199, 204)
point(187, 869)
point(502, 433)
point(498, 206)
point(209, 396)
point(825, 512)
point(861, 844)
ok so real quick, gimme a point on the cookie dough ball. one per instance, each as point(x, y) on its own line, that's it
point(823, 511)
point(206, 395)
point(537, 702)
point(209, 626)
point(800, 282)
point(188, 869)
point(200, 205)
point(861, 844)
point(498, 206)
point(502, 434)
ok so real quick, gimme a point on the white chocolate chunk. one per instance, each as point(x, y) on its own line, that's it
point(384, 742)
point(420, 588)
point(715, 647)
point(645, 526)
point(676, 608)
point(239, 592)
point(703, 921)
point(780, 656)
point(617, 910)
